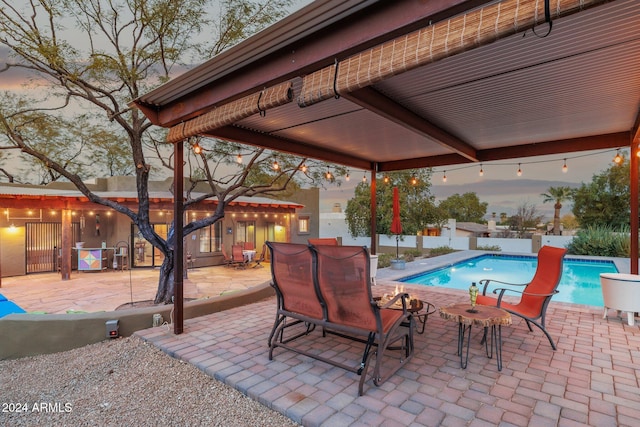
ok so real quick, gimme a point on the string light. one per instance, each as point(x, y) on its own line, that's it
point(414, 180)
point(444, 176)
point(481, 173)
point(564, 166)
point(347, 178)
point(519, 173)
point(304, 168)
point(364, 177)
point(618, 158)
point(239, 158)
point(197, 149)
point(275, 165)
point(386, 179)
point(328, 175)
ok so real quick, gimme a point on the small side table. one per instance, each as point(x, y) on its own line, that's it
point(485, 316)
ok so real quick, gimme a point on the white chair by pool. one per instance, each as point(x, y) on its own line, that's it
point(621, 292)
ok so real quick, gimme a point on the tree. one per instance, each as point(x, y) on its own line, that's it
point(120, 49)
point(556, 195)
point(605, 201)
point(525, 219)
point(417, 208)
point(464, 208)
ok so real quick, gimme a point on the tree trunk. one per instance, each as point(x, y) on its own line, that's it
point(165, 281)
point(556, 219)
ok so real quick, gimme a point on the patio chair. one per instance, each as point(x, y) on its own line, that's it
point(261, 258)
point(536, 295)
point(237, 257)
point(292, 278)
point(227, 260)
point(344, 283)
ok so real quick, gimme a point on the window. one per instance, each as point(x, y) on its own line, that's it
point(303, 224)
point(246, 232)
point(211, 238)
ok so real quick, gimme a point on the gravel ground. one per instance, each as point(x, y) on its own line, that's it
point(117, 383)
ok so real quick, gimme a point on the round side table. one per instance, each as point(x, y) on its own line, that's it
point(482, 315)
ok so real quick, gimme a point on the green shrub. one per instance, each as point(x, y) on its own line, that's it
point(494, 248)
point(440, 250)
point(413, 253)
point(384, 260)
point(601, 241)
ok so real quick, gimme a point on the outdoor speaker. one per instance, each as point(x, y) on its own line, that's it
point(112, 328)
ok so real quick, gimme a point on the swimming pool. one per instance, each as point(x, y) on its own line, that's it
point(580, 283)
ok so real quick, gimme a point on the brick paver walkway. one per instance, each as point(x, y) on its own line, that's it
point(592, 379)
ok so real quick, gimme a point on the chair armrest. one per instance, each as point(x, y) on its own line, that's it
point(485, 283)
point(501, 291)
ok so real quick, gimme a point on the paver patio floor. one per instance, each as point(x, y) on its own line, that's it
point(592, 379)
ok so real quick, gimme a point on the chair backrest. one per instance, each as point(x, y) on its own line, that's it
point(292, 274)
point(331, 241)
point(249, 246)
point(546, 279)
point(236, 253)
point(224, 254)
point(344, 282)
point(263, 255)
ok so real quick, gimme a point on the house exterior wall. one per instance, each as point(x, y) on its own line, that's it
point(100, 226)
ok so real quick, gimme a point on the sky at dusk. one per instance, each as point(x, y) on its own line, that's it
point(500, 186)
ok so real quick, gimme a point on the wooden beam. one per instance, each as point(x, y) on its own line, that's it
point(379, 104)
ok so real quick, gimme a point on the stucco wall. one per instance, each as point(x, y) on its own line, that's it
point(24, 335)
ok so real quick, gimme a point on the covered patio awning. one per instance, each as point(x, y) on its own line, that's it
point(385, 86)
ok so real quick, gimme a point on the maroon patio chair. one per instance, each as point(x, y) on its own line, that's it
point(344, 284)
point(237, 257)
point(536, 295)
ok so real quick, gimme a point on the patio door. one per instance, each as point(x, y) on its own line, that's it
point(144, 253)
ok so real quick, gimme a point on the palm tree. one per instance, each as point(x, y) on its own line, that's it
point(556, 195)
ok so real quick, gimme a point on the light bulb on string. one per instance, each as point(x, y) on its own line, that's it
point(304, 168)
point(414, 180)
point(386, 179)
point(197, 149)
point(275, 165)
point(618, 158)
point(328, 174)
point(347, 177)
point(519, 173)
point(481, 173)
point(239, 158)
point(444, 176)
point(564, 166)
point(364, 177)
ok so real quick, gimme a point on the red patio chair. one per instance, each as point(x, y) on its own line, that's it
point(536, 295)
point(238, 257)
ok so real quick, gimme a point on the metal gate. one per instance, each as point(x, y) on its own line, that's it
point(43, 243)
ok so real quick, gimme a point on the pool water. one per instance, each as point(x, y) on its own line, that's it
point(580, 283)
